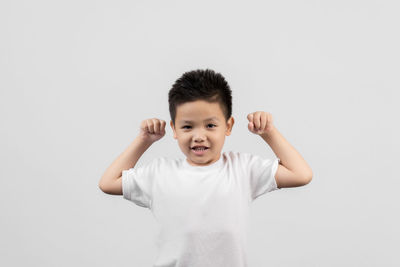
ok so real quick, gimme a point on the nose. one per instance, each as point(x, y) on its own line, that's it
point(199, 136)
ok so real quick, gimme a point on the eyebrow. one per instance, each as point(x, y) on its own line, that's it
point(209, 119)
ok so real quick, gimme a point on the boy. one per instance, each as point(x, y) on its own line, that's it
point(201, 202)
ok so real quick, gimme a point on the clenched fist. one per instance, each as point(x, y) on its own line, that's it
point(260, 122)
point(152, 130)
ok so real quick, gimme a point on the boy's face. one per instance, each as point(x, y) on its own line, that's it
point(193, 129)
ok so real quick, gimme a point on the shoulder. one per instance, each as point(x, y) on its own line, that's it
point(164, 162)
point(154, 164)
point(246, 158)
point(237, 155)
point(150, 168)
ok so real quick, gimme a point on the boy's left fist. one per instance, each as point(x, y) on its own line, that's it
point(260, 122)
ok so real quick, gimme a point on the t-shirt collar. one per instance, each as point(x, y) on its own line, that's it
point(213, 166)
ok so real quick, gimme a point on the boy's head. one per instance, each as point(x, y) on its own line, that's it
point(195, 97)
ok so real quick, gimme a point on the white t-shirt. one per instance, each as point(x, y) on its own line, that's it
point(202, 210)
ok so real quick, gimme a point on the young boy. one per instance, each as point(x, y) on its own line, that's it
point(202, 202)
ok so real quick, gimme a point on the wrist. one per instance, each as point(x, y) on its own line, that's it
point(272, 131)
point(143, 141)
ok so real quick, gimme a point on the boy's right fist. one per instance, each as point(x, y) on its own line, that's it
point(152, 130)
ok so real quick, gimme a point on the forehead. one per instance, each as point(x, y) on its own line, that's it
point(199, 111)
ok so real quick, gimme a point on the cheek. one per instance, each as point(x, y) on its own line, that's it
point(184, 141)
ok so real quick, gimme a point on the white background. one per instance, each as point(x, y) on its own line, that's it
point(78, 77)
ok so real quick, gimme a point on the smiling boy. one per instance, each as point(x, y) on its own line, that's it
point(203, 125)
point(202, 202)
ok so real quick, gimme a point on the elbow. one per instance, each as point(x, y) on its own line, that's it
point(308, 178)
point(101, 187)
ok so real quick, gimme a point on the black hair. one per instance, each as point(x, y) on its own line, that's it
point(200, 85)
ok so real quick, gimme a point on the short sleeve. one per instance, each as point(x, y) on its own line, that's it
point(137, 183)
point(261, 175)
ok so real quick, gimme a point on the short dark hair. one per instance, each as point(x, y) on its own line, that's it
point(200, 85)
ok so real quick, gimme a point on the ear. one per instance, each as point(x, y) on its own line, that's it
point(173, 128)
point(229, 125)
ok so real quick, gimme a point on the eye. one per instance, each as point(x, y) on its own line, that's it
point(210, 124)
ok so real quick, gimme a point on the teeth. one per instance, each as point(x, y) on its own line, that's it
point(199, 149)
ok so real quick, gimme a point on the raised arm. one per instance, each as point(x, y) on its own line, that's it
point(293, 170)
point(151, 130)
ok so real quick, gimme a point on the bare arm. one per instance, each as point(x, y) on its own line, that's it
point(111, 182)
point(293, 170)
point(151, 130)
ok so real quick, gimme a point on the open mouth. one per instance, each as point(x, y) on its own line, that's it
point(199, 150)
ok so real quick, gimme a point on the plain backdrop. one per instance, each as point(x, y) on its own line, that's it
point(78, 77)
